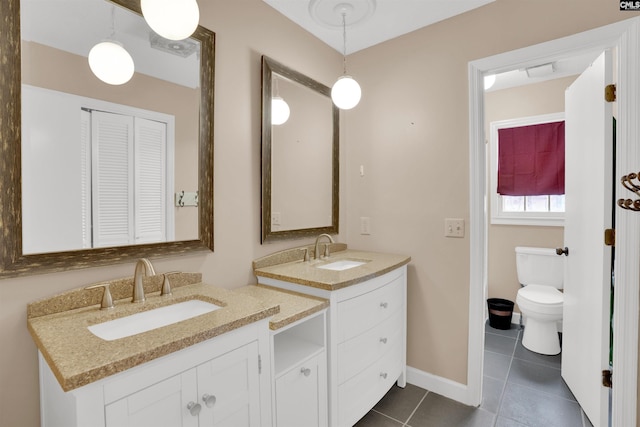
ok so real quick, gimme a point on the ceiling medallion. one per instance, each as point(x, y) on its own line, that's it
point(328, 13)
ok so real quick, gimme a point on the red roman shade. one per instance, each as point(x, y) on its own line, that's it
point(531, 160)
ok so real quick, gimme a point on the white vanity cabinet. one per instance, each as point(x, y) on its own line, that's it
point(366, 341)
point(300, 373)
point(224, 381)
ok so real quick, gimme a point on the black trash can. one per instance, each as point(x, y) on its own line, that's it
point(500, 312)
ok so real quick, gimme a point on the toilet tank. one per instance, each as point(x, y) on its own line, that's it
point(539, 266)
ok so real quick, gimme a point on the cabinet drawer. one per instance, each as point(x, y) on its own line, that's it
point(299, 395)
point(358, 314)
point(358, 395)
point(361, 351)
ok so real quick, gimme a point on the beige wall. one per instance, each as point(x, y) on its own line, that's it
point(523, 101)
point(410, 132)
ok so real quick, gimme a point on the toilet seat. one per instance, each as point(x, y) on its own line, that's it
point(540, 299)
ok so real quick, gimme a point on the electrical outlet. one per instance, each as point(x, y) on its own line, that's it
point(454, 227)
point(365, 225)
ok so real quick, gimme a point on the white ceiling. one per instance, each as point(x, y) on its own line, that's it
point(370, 22)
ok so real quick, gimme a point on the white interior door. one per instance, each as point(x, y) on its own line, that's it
point(589, 157)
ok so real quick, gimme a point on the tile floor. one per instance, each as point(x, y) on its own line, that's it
point(521, 389)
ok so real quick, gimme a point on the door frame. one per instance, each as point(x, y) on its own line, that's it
point(624, 36)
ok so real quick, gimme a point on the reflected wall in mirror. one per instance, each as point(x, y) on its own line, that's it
point(72, 179)
point(300, 157)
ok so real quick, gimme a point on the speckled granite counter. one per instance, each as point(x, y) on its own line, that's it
point(77, 357)
point(293, 306)
point(307, 273)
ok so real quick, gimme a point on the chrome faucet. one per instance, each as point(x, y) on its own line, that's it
point(326, 251)
point(143, 267)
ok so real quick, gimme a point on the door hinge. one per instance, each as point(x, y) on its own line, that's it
point(259, 364)
point(610, 93)
point(606, 378)
point(610, 237)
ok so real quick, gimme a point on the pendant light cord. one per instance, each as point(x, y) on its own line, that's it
point(344, 43)
point(113, 23)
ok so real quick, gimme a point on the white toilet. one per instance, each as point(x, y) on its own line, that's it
point(541, 273)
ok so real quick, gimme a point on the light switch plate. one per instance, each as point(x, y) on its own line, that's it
point(275, 218)
point(365, 225)
point(454, 227)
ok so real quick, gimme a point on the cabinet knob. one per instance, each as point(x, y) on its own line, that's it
point(194, 408)
point(383, 340)
point(384, 304)
point(209, 400)
point(305, 371)
point(383, 375)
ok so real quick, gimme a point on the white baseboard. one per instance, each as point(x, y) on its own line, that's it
point(439, 385)
point(444, 386)
point(515, 318)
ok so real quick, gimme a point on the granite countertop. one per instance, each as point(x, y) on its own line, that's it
point(293, 305)
point(307, 273)
point(77, 357)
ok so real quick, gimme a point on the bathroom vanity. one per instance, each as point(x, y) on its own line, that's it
point(366, 321)
point(315, 343)
point(211, 369)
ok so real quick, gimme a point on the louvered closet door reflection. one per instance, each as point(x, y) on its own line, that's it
point(112, 179)
point(150, 181)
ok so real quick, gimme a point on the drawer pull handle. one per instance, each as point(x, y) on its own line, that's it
point(383, 340)
point(194, 408)
point(383, 375)
point(305, 371)
point(384, 304)
point(209, 400)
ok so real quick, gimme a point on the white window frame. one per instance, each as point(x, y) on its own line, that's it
point(498, 216)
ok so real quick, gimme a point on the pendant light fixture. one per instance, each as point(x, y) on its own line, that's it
point(109, 60)
point(489, 80)
point(280, 110)
point(172, 19)
point(345, 92)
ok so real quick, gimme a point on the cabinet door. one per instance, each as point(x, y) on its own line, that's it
point(300, 397)
point(162, 404)
point(229, 389)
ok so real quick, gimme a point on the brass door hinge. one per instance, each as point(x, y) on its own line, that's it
point(610, 237)
point(606, 378)
point(610, 93)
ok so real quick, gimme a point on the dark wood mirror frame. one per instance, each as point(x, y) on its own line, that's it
point(270, 67)
point(12, 261)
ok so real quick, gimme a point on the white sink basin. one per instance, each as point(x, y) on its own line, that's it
point(343, 264)
point(151, 319)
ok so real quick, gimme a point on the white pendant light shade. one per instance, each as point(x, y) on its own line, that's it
point(279, 111)
point(489, 81)
point(172, 19)
point(346, 93)
point(111, 63)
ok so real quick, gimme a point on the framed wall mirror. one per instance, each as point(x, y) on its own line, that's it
point(300, 155)
point(54, 199)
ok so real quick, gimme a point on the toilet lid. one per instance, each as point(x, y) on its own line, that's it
point(542, 294)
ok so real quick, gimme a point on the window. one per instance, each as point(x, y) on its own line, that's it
point(522, 209)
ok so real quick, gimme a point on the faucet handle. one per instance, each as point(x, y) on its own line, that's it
point(166, 285)
point(107, 301)
point(306, 254)
point(326, 250)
